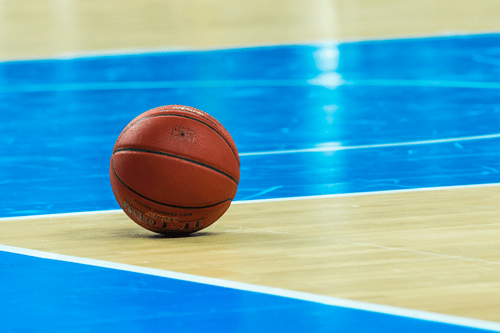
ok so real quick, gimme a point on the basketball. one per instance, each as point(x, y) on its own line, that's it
point(174, 170)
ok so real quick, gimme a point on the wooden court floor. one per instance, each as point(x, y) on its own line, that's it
point(47, 28)
point(433, 250)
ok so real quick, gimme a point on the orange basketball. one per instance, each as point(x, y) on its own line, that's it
point(174, 170)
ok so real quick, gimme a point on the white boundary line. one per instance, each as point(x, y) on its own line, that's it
point(327, 300)
point(342, 195)
point(416, 83)
point(179, 48)
point(249, 287)
point(242, 202)
point(241, 83)
point(382, 145)
point(322, 81)
point(429, 316)
point(59, 215)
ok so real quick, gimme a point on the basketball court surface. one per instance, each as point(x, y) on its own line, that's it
point(369, 139)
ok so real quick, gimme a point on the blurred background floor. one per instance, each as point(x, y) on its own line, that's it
point(46, 28)
point(375, 116)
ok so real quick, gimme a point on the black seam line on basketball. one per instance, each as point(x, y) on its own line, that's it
point(162, 203)
point(178, 157)
point(183, 116)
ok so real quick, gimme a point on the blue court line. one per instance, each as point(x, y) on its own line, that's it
point(322, 80)
point(101, 295)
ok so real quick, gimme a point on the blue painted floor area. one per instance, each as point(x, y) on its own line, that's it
point(60, 118)
point(97, 299)
point(376, 169)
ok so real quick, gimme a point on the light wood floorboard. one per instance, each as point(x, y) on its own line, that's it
point(48, 28)
point(431, 250)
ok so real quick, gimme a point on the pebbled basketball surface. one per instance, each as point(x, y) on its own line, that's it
point(174, 169)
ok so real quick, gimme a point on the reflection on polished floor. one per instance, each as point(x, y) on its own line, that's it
point(369, 165)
